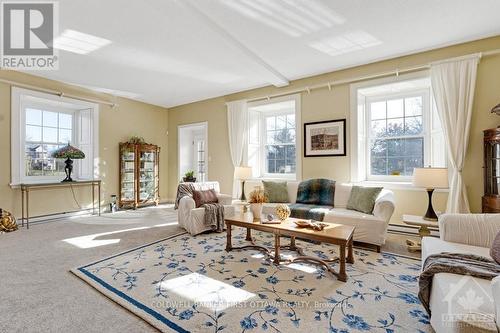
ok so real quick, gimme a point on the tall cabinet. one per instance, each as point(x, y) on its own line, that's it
point(491, 198)
point(139, 181)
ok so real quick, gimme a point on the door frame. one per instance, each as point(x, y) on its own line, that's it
point(203, 124)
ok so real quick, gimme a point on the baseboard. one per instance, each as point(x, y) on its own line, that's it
point(74, 213)
point(57, 216)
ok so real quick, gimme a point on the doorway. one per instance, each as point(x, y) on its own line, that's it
point(193, 150)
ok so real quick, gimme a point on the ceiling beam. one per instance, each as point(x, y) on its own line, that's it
point(274, 77)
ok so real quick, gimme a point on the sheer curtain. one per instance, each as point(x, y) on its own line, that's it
point(237, 122)
point(453, 85)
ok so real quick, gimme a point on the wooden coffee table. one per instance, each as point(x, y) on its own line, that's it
point(337, 234)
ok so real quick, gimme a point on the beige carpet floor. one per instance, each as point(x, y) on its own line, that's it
point(39, 294)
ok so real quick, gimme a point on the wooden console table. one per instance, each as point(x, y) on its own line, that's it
point(26, 188)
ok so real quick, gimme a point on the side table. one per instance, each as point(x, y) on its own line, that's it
point(423, 229)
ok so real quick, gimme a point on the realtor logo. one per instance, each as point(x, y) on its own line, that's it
point(28, 30)
point(465, 300)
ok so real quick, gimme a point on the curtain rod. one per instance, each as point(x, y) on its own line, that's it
point(58, 93)
point(330, 84)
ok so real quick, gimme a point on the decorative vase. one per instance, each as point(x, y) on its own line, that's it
point(283, 212)
point(256, 209)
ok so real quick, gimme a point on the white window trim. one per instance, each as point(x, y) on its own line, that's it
point(297, 176)
point(18, 133)
point(357, 126)
point(426, 134)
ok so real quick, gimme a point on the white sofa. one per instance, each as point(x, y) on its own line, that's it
point(370, 228)
point(463, 233)
point(191, 218)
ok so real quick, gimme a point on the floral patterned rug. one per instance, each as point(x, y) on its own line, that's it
point(191, 284)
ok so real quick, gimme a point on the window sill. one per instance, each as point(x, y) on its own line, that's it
point(407, 186)
point(292, 179)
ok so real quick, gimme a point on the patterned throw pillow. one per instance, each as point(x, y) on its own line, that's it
point(495, 249)
point(319, 192)
point(276, 192)
point(363, 199)
point(204, 197)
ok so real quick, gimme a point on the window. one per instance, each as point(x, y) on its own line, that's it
point(272, 142)
point(280, 143)
point(45, 131)
point(394, 129)
point(42, 123)
point(396, 134)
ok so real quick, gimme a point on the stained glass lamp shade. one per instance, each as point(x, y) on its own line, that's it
point(68, 152)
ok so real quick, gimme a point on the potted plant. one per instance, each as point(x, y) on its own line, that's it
point(256, 200)
point(189, 177)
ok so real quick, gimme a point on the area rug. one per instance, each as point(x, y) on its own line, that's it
point(191, 284)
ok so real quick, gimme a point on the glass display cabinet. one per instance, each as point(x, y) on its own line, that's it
point(139, 180)
point(491, 198)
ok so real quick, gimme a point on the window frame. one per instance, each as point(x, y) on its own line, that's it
point(21, 99)
point(262, 171)
point(264, 145)
point(426, 132)
point(43, 107)
point(357, 130)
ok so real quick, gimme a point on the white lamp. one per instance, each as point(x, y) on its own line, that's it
point(242, 173)
point(430, 179)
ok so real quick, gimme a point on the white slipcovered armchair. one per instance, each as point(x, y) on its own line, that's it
point(469, 234)
point(192, 219)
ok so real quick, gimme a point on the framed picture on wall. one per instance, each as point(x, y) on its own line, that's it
point(325, 138)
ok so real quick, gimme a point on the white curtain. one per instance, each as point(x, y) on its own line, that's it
point(453, 84)
point(237, 122)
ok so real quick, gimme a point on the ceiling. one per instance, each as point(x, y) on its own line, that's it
point(171, 52)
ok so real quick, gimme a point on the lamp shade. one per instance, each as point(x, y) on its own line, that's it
point(68, 152)
point(243, 173)
point(430, 178)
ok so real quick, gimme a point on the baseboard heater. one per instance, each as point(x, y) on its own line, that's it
point(409, 229)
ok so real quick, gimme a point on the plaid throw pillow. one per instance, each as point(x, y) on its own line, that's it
point(204, 197)
point(316, 192)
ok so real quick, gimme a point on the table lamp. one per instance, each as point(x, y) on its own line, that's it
point(430, 179)
point(242, 173)
point(68, 152)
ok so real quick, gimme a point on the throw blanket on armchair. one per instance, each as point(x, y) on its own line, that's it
point(214, 212)
point(455, 263)
point(214, 216)
point(182, 190)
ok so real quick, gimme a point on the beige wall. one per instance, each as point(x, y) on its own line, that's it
point(325, 104)
point(115, 125)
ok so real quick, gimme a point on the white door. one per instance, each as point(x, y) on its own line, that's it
point(192, 150)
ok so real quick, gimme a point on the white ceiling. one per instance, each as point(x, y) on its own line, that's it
point(167, 52)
